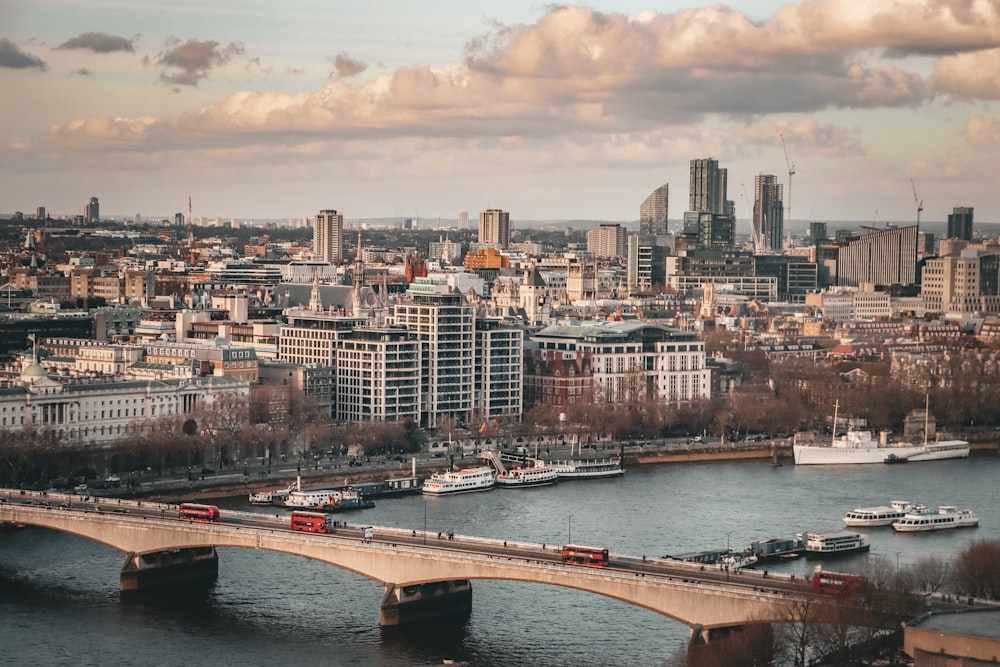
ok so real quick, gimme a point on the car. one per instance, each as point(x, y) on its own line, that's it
point(80, 488)
point(694, 439)
point(438, 455)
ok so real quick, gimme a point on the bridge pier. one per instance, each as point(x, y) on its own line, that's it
point(169, 568)
point(736, 644)
point(420, 602)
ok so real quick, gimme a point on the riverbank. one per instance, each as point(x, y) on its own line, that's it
point(235, 483)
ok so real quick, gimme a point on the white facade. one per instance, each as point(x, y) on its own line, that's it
point(499, 365)
point(378, 376)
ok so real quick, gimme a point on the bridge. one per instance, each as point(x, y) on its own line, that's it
point(424, 574)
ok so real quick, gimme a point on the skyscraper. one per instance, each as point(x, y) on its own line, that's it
point(494, 228)
point(607, 241)
point(653, 212)
point(463, 219)
point(708, 187)
point(328, 236)
point(768, 213)
point(960, 223)
point(92, 211)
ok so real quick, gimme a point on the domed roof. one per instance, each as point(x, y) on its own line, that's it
point(33, 372)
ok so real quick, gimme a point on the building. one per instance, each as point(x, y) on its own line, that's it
point(92, 211)
point(817, 233)
point(328, 236)
point(494, 228)
point(378, 372)
point(885, 257)
point(498, 369)
point(607, 240)
point(463, 219)
point(708, 187)
point(445, 327)
point(850, 304)
point(613, 363)
point(316, 383)
point(653, 212)
point(962, 284)
point(797, 276)
point(709, 229)
point(960, 223)
point(310, 337)
point(768, 213)
point(969, 638)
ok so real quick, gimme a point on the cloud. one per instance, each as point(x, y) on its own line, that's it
point(345, 66)
point(83, 71)
point(578, 72)
point(982, 132)
point(969, 75)
point(99, 42)
point(14, 58)
point(188, 63)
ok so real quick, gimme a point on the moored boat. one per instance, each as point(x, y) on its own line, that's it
point(946, 516)
point(277, 496)
point(460, 481)
point(587, 468)
point(883, 515)
point(538, 475)
point(327, 500)
point(840, 543)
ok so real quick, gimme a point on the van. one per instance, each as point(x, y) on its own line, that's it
point(694, 439)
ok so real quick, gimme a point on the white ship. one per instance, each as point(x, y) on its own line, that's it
point(860, 447)
point(883, 515)
point(539, 475)
point(460, 481)
point(947, 516)
point(841, 543)
point(588, 468)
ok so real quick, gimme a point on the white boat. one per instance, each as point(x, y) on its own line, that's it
point(537, 475)
point(860, 447)
point(883, 515)
point(460, 481)
point(327, 500)
point(277, 496)
point(947, 516)
point(840, 543)
point(588, 468)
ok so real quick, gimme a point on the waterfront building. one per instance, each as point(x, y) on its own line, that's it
point(315, 381)
point(311, 337)
point(614, 363)
point(378, 372)
point(442, 321)
point(328, 236)
point(653, 212)
point(498, 369)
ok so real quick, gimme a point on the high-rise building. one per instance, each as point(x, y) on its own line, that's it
point(653, 212)
point(494, 228)
point(92, 211)
point(960, 223)
point(817, 232)
point(463, 219)
point(40, 213)
point(885, 257)
point(768, 212)
point(708, 187)
point(328, 236)
point(607, 241)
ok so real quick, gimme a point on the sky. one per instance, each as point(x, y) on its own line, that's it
point(264, 109)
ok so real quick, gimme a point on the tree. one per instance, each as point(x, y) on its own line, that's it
point(928, 574)
point(975, 571)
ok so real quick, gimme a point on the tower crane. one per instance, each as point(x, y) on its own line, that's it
point(756, 235)
point(918, 200)
point(791, 172)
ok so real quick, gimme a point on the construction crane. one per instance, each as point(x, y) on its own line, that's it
point(791, 172)
point(918, 200)
point(756, 235)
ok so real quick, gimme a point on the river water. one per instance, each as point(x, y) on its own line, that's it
point(59, 600)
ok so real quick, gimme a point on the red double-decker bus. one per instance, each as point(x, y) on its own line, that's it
point(311, 522)
point(837, 583)
point(195, 512)
point(589, 556)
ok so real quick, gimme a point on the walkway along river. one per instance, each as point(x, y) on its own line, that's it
point(60, 592)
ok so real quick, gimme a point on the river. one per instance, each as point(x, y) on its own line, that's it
point(59, 600)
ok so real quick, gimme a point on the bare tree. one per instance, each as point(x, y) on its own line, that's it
point(975, 571)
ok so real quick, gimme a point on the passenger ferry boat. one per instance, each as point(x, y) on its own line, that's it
point(947, 516)
point(883, 515)
point(460, 481)
point(327, 500)
point(271, 497)
point(840, 543)
point(538, 475)
point(588, 468)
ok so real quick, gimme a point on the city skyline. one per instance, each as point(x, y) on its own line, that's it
point(257, 111)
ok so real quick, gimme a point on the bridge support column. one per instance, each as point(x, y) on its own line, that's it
point(168, 568)
point(421, 602)
point(737, 644)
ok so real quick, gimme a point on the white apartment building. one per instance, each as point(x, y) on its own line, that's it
point(378, 376)
point(311, 337)
point(444, 324)
point(848, 304)
point(499, 366)
point(965, 283)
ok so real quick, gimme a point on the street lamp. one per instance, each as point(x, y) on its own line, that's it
point(425, 522)
point(569, 531)
point(728, 533)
